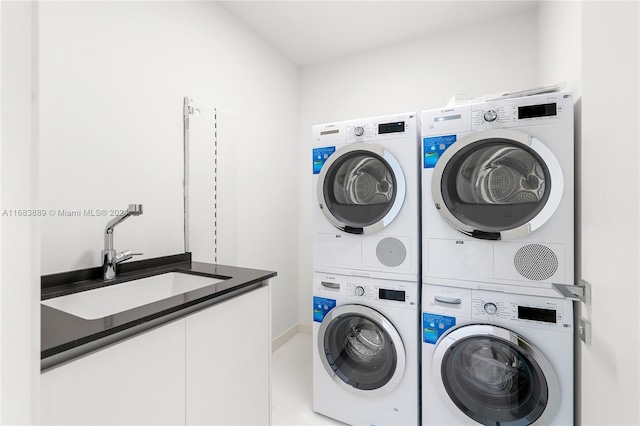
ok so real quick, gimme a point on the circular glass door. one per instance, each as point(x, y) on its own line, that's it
point(361, 350)
point(495, 377)
point(497, 184)
point(361, 188)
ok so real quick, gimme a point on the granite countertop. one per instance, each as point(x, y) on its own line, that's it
point(65, 336)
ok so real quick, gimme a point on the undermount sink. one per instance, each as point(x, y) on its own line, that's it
point(112, 299)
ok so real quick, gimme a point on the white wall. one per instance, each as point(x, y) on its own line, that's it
point(560, 44)
point(414, 76)
point(113, 78)
point(596, 47)
point(20, 242)
point(610, 218)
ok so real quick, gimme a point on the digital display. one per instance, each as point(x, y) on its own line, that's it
point(537, 314)
point(541, 110)
point(397, 127)
point(398, 295)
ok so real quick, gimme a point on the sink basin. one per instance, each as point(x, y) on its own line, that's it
point(109, 300)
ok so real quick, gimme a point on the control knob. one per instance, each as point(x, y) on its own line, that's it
point(490, 115)
point(359, 291)
point(490, 308)
point(358, 130)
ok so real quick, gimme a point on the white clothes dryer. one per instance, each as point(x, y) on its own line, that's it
point(498, 192)
point(366, 178)
point(494, 358)
point(366, 350)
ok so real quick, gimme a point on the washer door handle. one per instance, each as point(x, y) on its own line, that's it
point(334, 286)
point(448, 300)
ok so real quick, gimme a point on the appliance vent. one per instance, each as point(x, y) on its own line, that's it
point(536, 262)
point(391, 252)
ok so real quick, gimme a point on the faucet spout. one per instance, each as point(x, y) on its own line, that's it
point(132, 210)
point(109, 256)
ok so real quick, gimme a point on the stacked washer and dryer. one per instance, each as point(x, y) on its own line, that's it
point(493, 341)
point(497, 232)
point(366, 263)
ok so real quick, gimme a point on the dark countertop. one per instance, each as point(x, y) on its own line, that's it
point(65, 336)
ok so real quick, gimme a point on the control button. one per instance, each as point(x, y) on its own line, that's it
point(490, 308)
point(359, 291)
point(358, 130)
point(490, 115)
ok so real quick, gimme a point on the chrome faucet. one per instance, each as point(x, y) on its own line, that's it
point(109, 256)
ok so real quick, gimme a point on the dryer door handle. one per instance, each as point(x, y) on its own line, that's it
point(483, 235)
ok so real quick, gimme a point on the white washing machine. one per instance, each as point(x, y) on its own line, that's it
point(366, 350)
point(366, 177)
point(495, 358)
point(498, 192)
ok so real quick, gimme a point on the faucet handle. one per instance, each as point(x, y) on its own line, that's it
point(125, 255)
point(135, 209)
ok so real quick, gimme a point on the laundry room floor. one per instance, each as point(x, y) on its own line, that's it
point(291, 384)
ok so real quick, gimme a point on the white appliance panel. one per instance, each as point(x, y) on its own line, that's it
point(337, 250)
point(463, 258)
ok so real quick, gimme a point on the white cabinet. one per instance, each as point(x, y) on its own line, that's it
point(136, 381)
point(210, 367)
point(228, 362)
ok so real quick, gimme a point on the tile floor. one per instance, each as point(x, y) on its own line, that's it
point(291, 385)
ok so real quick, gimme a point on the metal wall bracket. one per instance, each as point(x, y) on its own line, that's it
point(580, 292)
point(584, 330)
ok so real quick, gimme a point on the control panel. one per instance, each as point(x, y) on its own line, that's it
point(528, 110)
point(365, 129)
point(499, 114)
point(495, 307)
point(382, 293)
point(507, 308)
point(395, 127)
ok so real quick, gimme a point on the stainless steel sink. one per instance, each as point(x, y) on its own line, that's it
point(109, 300)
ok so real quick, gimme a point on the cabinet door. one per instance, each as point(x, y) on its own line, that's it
point(229, 362)
point(136, 381)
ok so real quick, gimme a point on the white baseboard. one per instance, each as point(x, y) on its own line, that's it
point(284, 337)
point(306, 328)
